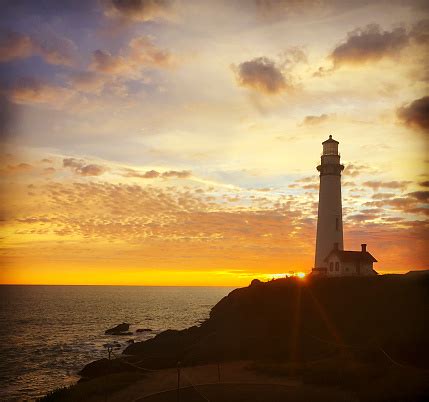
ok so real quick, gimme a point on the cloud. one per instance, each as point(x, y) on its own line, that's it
point(422, 196)
point(14, 45)
point(369, 44)
point(424, 183)
point(183, 174)
point(140, 53)
point(375, 185)
point(17, 169)
point(7, 117)
point(79, 167)
point(261, 74)
point(53, 49)
point(87, 81)
point(382, 196)
point(30, 91)
point(314, 120)
point(416, 114)
point(354, 169)
point(139, 10)
point(144, 52)
point(411, 203)
point(105, 62)
point(49, 170)
point(153, 174)
point(128, 214)
point(420, 32)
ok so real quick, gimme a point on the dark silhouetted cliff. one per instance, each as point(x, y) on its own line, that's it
point(373, 318)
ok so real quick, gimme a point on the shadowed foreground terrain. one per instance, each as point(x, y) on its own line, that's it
point(354, 339)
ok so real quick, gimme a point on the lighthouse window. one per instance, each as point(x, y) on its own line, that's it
point(337, 266)
point(330, 148)
point(337, 224)
point(331, 266)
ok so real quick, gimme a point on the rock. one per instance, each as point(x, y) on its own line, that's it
point(144, 330)
point(103, 367)
point(120, 329)
point(130, 341)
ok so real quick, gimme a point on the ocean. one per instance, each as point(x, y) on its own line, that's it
point(48, 333)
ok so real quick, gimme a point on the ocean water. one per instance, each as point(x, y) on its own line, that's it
point(48, 333)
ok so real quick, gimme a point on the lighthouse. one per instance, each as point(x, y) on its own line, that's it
point(331, 259)
point(329, 216)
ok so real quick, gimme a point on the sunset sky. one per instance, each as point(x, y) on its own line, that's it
point(172, 142)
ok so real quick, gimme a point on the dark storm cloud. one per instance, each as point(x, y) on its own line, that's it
point(261, 74)
point(416, 114)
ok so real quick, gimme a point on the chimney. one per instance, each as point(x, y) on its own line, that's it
point(363, 248)
point(335, 246)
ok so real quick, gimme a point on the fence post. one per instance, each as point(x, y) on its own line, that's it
point(178, 381)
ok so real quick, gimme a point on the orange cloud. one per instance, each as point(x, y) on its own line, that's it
point(153, 174)
point(375, 185)
point(105, 62)
point(140, 53)
point(53, 49)
point(16, 169)
point(30, 90)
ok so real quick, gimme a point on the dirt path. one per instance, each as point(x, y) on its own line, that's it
point(231, 372)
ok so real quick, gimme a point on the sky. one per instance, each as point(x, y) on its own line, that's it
point(168, 142)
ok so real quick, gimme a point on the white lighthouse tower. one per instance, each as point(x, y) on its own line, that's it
point(329, 217)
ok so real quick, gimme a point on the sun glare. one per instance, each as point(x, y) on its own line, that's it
point(300, 275)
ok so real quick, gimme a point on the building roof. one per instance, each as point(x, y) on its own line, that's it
point(347, 256)
point(330, 140)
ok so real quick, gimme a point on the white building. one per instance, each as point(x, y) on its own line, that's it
point(331, 259)
point(348, 263)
